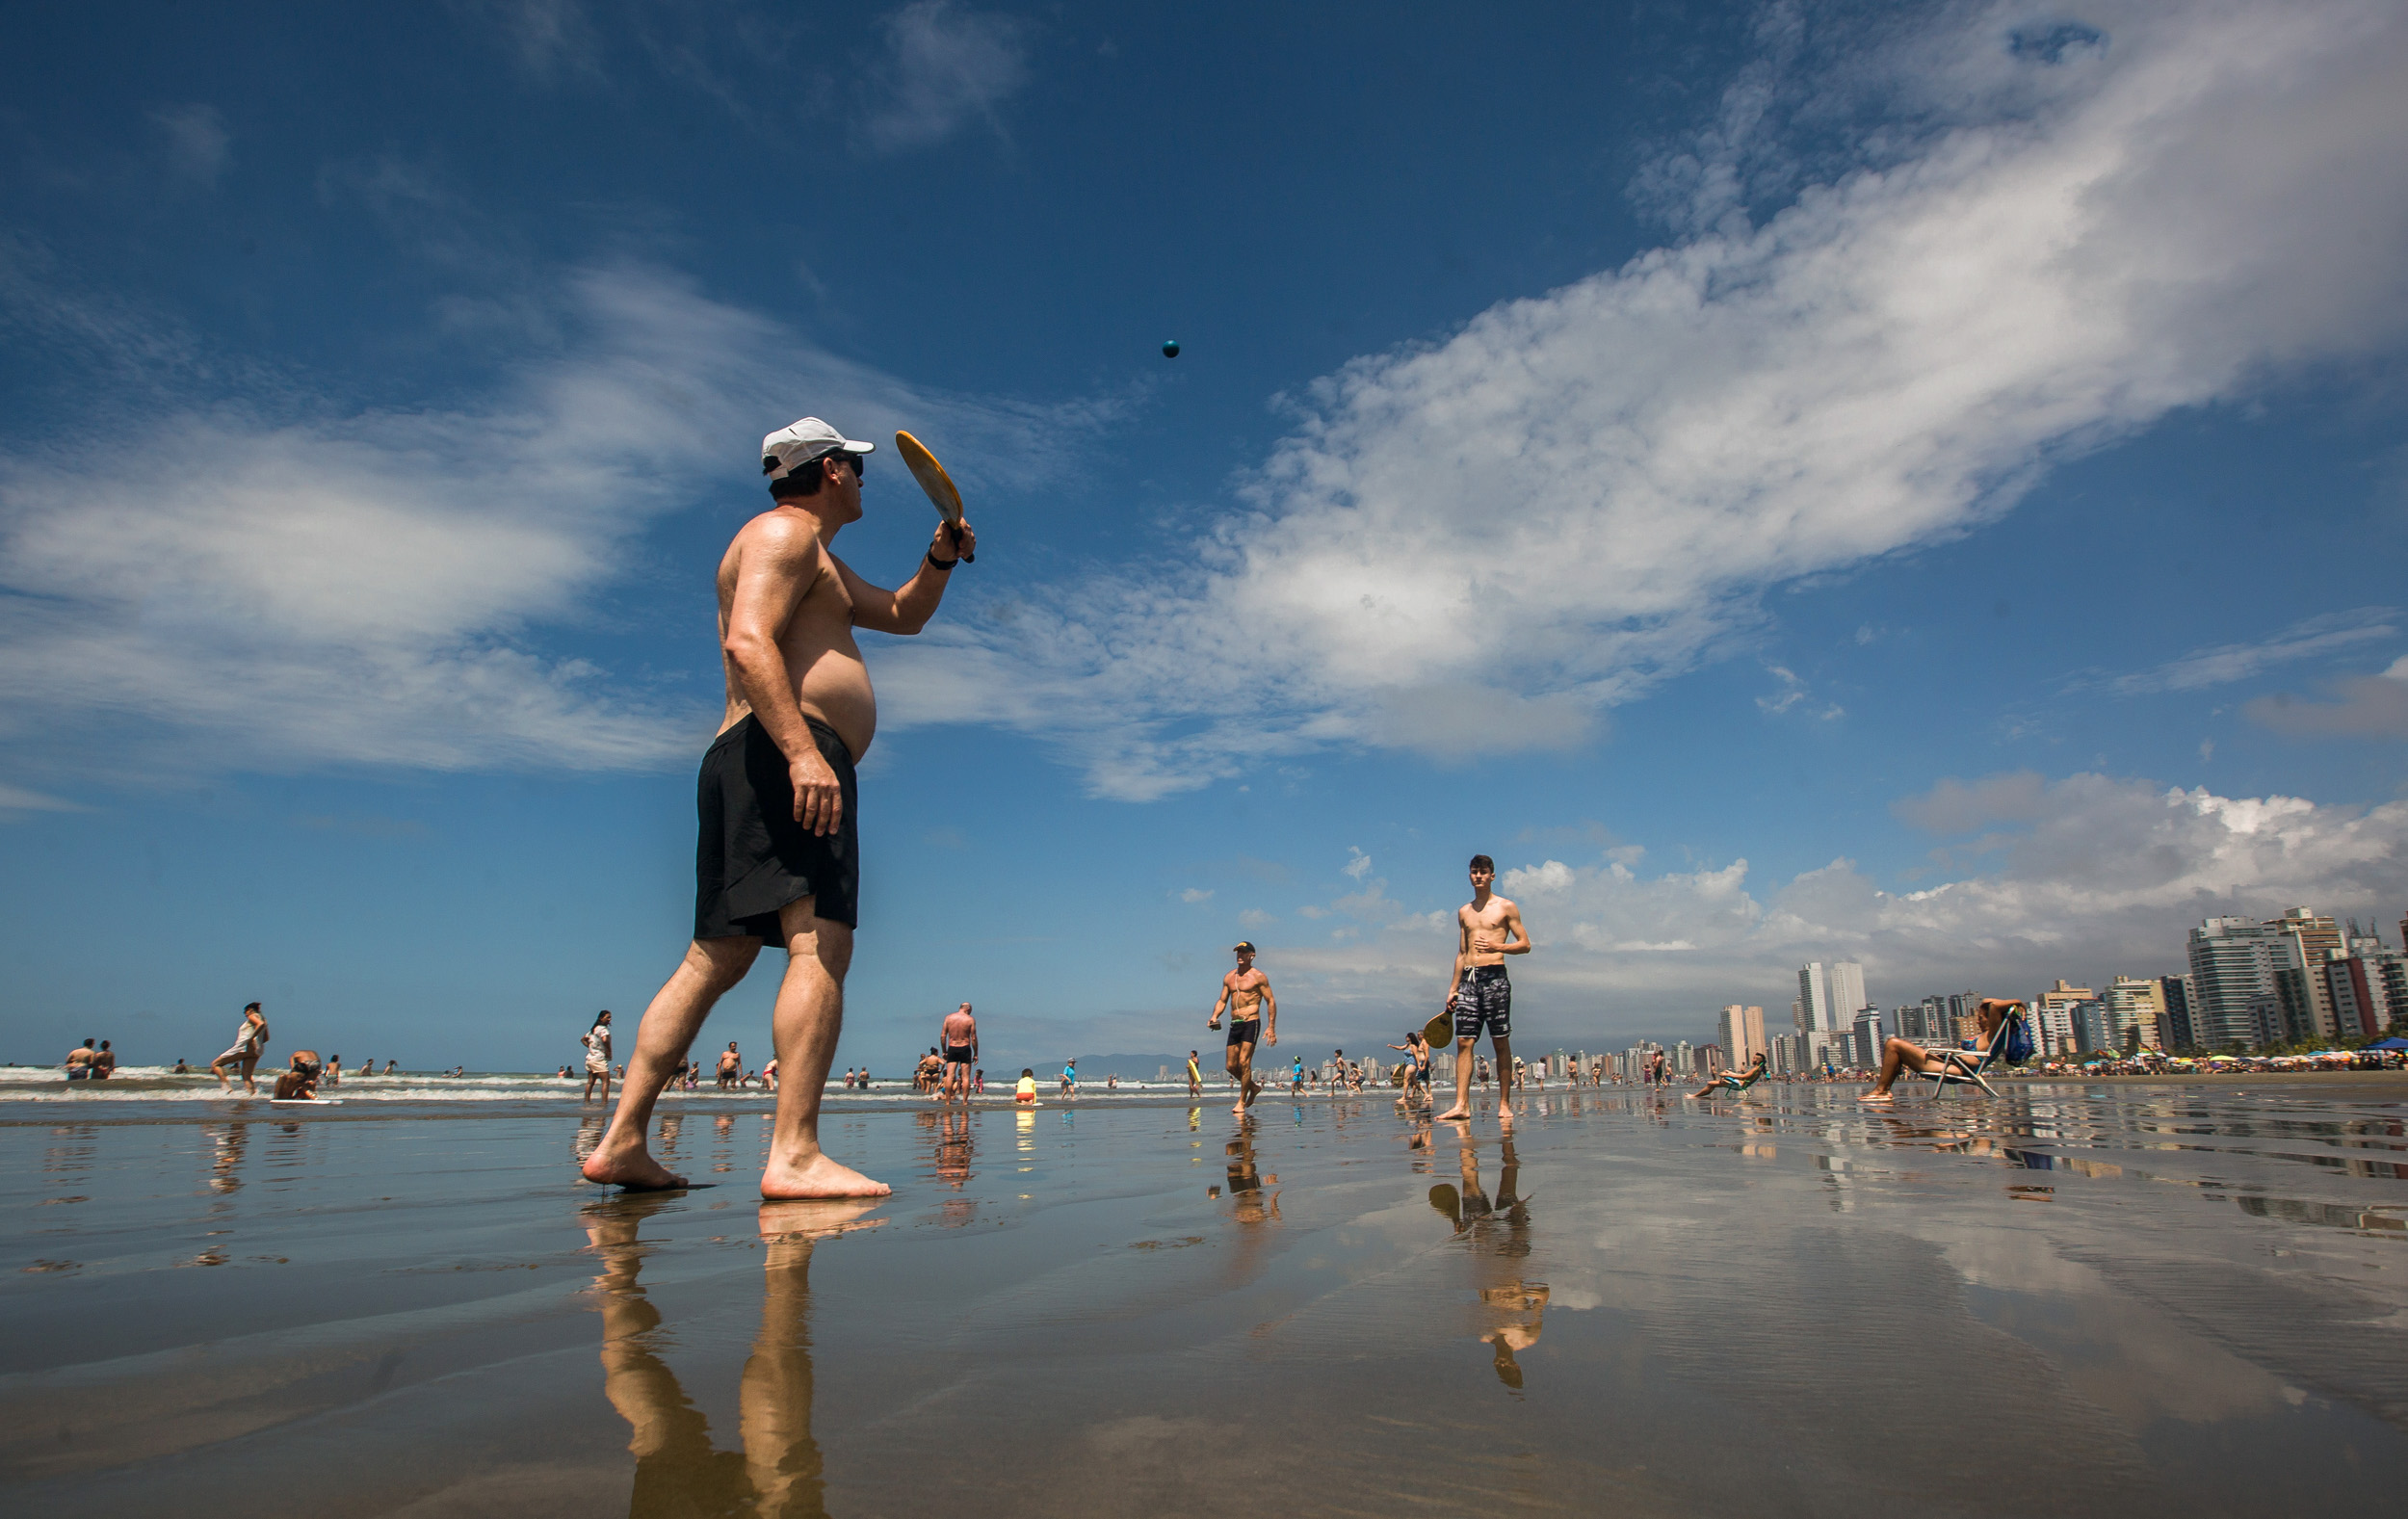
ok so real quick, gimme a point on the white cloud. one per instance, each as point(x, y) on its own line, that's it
point(945, 68)
point(2227, 663)
point(548, 39)
point(1954, 808)
point(1196, 894)
point(2059, 254)
point(2371, 706)
point(199, 144)
point(1255, 918)
point(2106, 874)
point(16, 798)
point(266, 586)
point(1358, 867)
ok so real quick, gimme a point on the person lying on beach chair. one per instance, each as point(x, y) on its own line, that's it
point(1966, 1064)
point(1735, 1081)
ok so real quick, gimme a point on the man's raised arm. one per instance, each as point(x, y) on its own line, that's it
point(772, 578)
point(907, 611)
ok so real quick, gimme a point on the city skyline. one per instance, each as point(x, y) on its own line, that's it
point(1848, 484)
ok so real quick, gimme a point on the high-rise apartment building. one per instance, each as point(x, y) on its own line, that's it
point(2136, 1009)
point(2232, 978)
point(2054, 1017)
point(1830, 994)
point(1868, 1038)
point(2308, 1005)
point(2178, 999)
point(1742, 1033)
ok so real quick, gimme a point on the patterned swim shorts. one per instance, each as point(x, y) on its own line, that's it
point(1484, 997)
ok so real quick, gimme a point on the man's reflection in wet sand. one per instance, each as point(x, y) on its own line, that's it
point(777, 1475)
point(951, 1150)
point(1251, 1208)
point(1497, 1236)
point(226, 1157)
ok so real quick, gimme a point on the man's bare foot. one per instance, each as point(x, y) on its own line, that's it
point(1458, 1111)
point(631, 1166)
point(817, 1178)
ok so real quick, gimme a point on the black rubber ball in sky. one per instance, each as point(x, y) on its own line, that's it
point(1170, 350)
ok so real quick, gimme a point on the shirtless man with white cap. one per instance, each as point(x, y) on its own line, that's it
point(778, 861)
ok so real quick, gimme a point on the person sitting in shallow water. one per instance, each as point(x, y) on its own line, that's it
point(1899, 1055)
point(1735, 1081)
point(299, 1079)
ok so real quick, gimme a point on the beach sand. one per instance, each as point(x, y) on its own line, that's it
point(2093, 1299)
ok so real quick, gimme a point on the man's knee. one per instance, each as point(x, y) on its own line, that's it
point(721, 963)
point(824, 939)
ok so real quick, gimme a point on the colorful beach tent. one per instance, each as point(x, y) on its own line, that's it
point(2395, 1042)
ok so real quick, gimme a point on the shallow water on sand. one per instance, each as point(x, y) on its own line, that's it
point(2131, 1300)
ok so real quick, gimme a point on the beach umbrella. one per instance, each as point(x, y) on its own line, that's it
point(2395, 1042)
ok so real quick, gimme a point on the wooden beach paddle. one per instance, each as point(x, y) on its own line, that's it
point(939, 486)
point(1439, 1032)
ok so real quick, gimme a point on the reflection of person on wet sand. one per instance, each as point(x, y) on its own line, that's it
point(677, 1470)
point(1498, 1234)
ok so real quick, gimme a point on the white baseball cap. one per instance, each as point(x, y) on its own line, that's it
point(800, 443)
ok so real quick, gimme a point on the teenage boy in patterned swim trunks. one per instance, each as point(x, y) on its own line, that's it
point(1488, 928)
point(778, 861)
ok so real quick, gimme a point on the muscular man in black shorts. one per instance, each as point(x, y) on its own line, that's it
point(1487, 930)
point(1246, 994)
point(778, 861)
point(960, 1035)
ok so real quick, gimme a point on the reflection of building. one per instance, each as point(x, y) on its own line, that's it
point(2232, 972)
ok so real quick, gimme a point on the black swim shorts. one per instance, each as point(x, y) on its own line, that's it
point(956, 1055)
point(754, 858)
point(1245, 1030)
point(1484, 997)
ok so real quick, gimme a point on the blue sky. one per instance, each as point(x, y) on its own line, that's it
point(1791, 481)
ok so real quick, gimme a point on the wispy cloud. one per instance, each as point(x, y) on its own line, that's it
point(944, 67)
point(319, 587)
point(199, 147)
point(2042, 249)
point(2096, 875)
point(2369, 706)
point(2226, 663)
point(550, 40)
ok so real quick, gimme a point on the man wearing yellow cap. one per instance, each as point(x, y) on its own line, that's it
point(778, 861)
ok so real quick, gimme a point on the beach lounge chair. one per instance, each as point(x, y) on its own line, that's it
point(1736, 1080)
point(1966, 1067)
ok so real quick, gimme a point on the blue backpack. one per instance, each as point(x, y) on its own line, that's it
point(2019, 1048)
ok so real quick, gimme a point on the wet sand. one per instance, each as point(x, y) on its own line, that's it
point(2093, 1298)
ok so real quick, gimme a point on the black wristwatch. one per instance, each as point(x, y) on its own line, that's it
point(941, 563)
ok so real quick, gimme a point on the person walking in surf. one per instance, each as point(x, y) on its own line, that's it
point(1245, 995)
